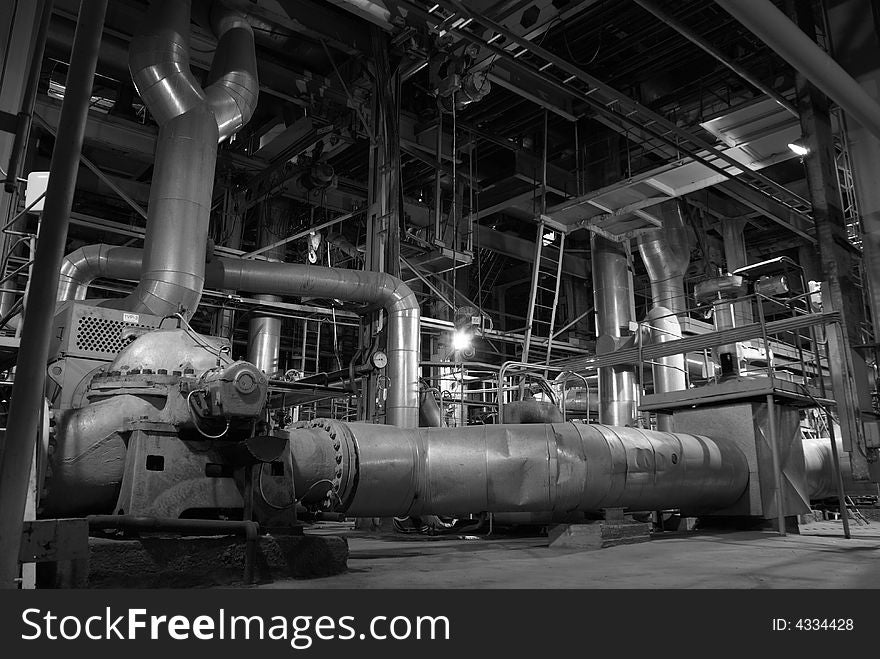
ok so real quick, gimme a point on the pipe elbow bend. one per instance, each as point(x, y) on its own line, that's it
point(235, 89)
point(78, 269)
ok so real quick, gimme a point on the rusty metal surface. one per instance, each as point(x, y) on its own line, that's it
point(54, 540)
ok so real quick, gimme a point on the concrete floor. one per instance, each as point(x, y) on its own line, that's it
point(818, 558)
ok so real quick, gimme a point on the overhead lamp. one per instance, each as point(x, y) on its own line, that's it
point(462, 340)
point(798, 149)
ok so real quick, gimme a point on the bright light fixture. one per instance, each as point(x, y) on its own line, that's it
point(549, 237)
point(461, 340)
point(798, 149)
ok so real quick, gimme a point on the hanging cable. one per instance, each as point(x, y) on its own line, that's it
point(194, 417)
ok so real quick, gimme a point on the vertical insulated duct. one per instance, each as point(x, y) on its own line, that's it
point(666, 254)
point(612, 291)
point(264, 332)
point(191, 123)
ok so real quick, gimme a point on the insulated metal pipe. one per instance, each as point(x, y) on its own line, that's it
point(173, 271)
point(668, 372)
point(264, 331)
point(264, 339)
point(776, 30)
point(158, 59)
point(234, 87)
point(563, 467)
point(82, 266)
point(612, 293)
point(27, 391)
point(821, 474)
point(666, 253)
point(191, 122)
point(374, 288)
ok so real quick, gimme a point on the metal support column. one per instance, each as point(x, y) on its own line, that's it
point(839, 260)
point(20, 26)
point(777, 474)
point(27, 393)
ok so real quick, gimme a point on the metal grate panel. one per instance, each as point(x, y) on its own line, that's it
point(97, 334)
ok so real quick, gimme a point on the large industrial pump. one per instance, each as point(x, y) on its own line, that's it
point(151, 418)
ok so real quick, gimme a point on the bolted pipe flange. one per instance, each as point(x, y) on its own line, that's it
point(343, 444)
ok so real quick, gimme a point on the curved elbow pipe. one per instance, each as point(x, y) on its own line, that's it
point(192, 122)
point(235, 86)
point(375, 288)
point(158, 60)
point(160, 66)
point(271, 278)
point(82, 266)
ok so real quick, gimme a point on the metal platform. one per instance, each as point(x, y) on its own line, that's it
point(739, 389)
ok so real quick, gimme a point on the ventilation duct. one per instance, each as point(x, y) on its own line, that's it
point(668, 373)
point(191, 123)
point(612, 291)
point(666, 253)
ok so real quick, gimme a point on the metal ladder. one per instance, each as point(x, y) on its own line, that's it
point(544, 292)
point(655, 133)
point(307, 345)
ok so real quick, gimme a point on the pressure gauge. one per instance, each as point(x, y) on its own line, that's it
point(379, 359)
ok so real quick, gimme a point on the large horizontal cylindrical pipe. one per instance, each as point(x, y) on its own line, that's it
point(821, 476)
point(376, 470)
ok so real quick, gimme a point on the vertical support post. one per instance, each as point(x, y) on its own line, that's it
point(777, 474)
point(438, 191)
point(19, 21)
point(838, 259)
point(27, 392)
point(841, 494)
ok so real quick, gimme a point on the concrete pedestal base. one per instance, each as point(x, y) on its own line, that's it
point(598, 535)
point(165, 562)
